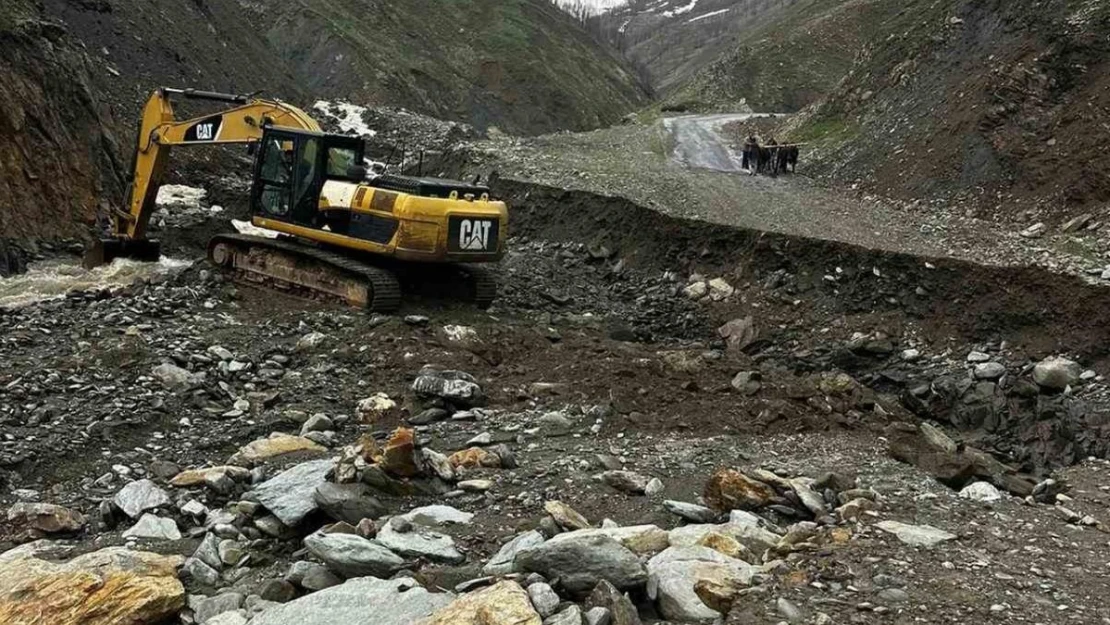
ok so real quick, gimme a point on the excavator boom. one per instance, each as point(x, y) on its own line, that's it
point(159, 131)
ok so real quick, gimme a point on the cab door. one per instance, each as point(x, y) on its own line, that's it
point(288, 177)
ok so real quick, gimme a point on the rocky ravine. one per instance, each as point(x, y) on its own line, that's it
point(612, 443)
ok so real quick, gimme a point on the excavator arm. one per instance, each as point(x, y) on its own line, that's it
point(159, 131)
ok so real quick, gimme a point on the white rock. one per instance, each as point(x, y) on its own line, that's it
point(434, 515)
point(361, 601)
point(981, 491)
point(989, 371)
point(139, 496)
point(719, 290)
point(154, 528)
point(673, 573)
point(916, 535)
point(1056, 373)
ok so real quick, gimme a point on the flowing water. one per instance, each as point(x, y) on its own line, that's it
point(53, 279)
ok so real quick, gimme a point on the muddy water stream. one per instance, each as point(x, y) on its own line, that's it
point(53, 279)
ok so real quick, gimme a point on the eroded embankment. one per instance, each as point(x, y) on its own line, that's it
point(1032, 309)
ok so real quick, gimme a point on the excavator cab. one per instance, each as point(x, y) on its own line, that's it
point(291, 168)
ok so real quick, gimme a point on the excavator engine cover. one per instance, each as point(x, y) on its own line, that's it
point(104, 251)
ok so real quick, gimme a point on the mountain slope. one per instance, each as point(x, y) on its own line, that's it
point(787, 55)
point(521, 65)
point(977, 99)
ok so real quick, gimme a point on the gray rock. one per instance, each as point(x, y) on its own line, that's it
point(620, 607)
point(220, 483)
point(989, 371)
point(348, 502)
point(789, 611)
point(690, 511)
point(1056, 373)
point(654, 487)
point(571, 615)
point(673, 573)
point(544, 599)
point(154, 528)
point(420, 542)
point(436, 515)
point(237, 617)
point(977, 357)
point(200, 572)
point(208, 551)
point(747, 382)
point(810, 499)
point(319, 579)
point(353, 556)
point(277, 591)
point(438, 464)
point(139, 496)
point(363, 601)
point(755, 538)
point(502, 562)
point(231, 553)
point(209, 607)
point(583, 561)
point(290, 495)
point(455, 386)
point(598, 616)
point(175, 378)
point(916, 535)
point(981, 491)
point(317, 423)
point(626, 481)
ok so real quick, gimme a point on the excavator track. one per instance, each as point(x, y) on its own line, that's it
point(301, 267)
point(484, 284)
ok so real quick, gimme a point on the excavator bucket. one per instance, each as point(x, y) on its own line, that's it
point(104, 251)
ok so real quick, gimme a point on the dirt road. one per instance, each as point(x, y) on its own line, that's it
point(699, 142)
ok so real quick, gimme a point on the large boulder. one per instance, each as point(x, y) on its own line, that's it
point(639, 539)
point(113, 586)
point(362, 601)
point(580, 562)
point(291, 494)
point(502, 562)
point(505, 603)
point(673, 574)
point(353, 556)
point(419, 542)
point(729, 489)
point(750, 535)
point(45, 517)
point(1056, 374)
point(348, 502)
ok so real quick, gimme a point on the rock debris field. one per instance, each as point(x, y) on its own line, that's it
point(617, 441)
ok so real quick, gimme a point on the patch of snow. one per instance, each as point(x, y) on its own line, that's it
point(180, 195)
point(707, 15)
point(348, 116)
point(593, 6)
point(681, 10)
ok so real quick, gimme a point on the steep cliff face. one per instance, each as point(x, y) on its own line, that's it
point(59, 160)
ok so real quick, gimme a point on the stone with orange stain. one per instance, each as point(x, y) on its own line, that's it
point(197, 477)
point(277, 444)
point(398, 457)
point(729, 489)
point(475, 458)
point(113, 586)
point(505, 603)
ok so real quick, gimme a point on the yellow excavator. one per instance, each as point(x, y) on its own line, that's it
point(330, 227)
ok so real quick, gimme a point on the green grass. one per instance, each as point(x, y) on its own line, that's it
point(827, 129)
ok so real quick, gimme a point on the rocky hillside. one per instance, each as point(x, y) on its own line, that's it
point(523, 66)
point(992, 100)
point(673, 39)
point(58, 156)
point(783, 55)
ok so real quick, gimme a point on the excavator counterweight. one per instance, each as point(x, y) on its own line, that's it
point(334, 230)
